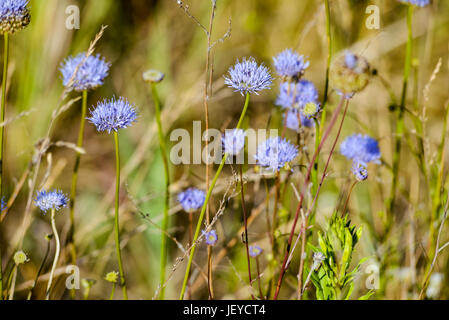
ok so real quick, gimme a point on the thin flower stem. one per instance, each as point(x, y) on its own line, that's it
point(306, 182)
point(315, 165)
point(258, 279)
point(71, 236)
point(111, 297)
point(47, 252)
point(245, 222)
point(400, 120)
point(116, 220)
point(58, 250)
point(12, 276)
point(329, 48)
point(203, 209)
point(2, 132)
point(157, 106)
point(349, 196)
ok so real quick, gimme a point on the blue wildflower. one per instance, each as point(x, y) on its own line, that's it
point(211, 237)
point(49, 200)
point(234, 141)
point(275, 153)
point(360, 170)
point(14, 15)
point(90, 74)
point(419, 3)
point(292, 120)
point(192, 199)
point(248, 77)
point(361, 148)
point(254, 251)
point(297, 94)
point(290, 64)
point(112, 115)
point(3, 205)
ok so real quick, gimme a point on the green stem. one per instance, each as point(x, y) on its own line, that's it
point(71, 236)
point(163, 148)
point(203, 209)
point(112, 292)
point(329, 48)
point(400, 121)
point(116, 220)
point(8, 286)
point(58, 249)
point(315, 165)
point(2, 132)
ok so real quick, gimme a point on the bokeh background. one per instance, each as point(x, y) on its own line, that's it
point(158, 34)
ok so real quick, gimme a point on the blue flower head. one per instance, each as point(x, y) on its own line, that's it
point(292, 120)
point(89, 75)
point(210, 237)
point(290, 64)
point(112, 115)
point(234, 141)
point(192, 199)
point(360, 170)
point(254, 251)
point(3, 205)
point(297, 95)
point(248, 77)
point(14, 15)
point(419, 3)
point(275, 153)
point(49, 200)
point(361, 148)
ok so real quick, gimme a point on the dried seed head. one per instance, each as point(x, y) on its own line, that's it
point(153, 76)
point(350, 74)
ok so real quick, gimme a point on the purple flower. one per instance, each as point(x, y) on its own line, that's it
point(210, 237)
point(360, 171)
point(297, 94)
point(361, 148)
point(234, 141)
point(14, 15)
point(275, 153)
point(419, 3)
point(292, 120)
point(51, 200)
point(290, 64)
point(90, 74)
point(192, 199)
point(254, 251)
point(248, 77)
point(112, 115)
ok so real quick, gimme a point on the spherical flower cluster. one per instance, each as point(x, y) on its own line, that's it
point(51, 200)
point(419, 3)
point(254, 251)
point(234, 141)
point(111, 277)
point(361, 148)
point(294, 116)
point(275, 153)
point(14, 15)
point(289, 64)
point(112, 115)
point(3, 205)
point(360, 171)
point(211, 237)
point(248, 77)
point(20, 257)
point(90, 72)
point(297, 95)
point(349, 74)
point(192, 199)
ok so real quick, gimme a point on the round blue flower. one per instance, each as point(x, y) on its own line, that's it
point(419, 3)
point(254, 251)
point(89, 75)
point(361, 148)
point(211, 237)
point(233, 141)
point(192, 199)
point(360, 170)
point(49, 200)
point(3, 205)
point(290, 64)
point(297, 94)
point(248, 77)
point(292, 120)
point(112, 115)
point(275, 153)
point(14, 15)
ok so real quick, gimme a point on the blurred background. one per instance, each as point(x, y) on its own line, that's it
point(159, 35)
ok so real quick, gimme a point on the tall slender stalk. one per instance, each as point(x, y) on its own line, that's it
point(400, 120)
point(74, 182)
point(116, 220)
point(111, 297)
point(58, 250)
point(163, 148)
point(2, 132)
point(203, 209)
point(30, 293)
